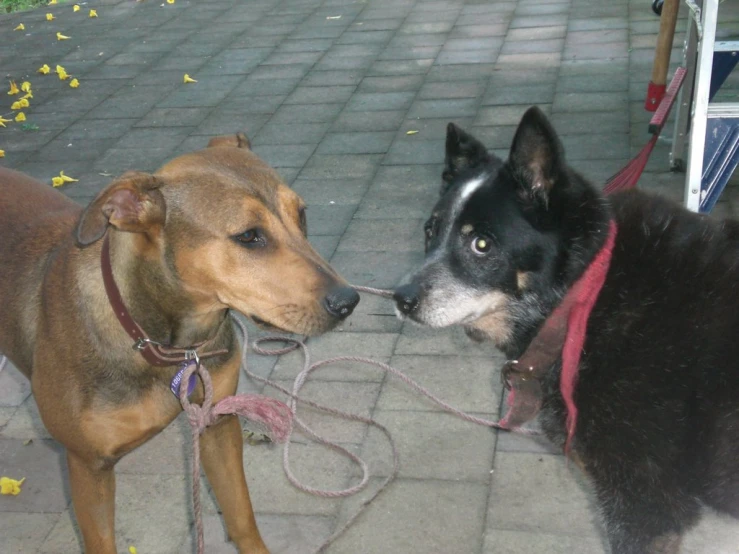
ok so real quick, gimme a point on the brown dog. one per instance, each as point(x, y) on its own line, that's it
point(210, 231)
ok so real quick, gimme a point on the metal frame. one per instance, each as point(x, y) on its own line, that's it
point(700, 106)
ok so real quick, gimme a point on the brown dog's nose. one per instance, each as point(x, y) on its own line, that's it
point(406, 298)
point(341, 301)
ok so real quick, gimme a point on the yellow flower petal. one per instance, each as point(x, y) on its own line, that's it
point(3, 121)
point(50, 17)
point(15, 105)
point(188, 79)
point(60, 36)
point(44, 69)
point(20, 117)
point(13, 88)
point(67, 178)
point(24, 103)
point(29, 94)
point(26, 86)
point(10, 486)
point(61, 72)
point(170, 1)
point(132, 550)
point(56, 182)
point(52, 2)
point(20, 27)
point(411, 132)
point(2, 153)
point(76, 8)
point(93, 13)
point(74, 83)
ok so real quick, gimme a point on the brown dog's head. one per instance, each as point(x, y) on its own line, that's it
point(229, 233)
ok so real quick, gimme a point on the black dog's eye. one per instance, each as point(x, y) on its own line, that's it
point(252, 237)
point(481, 245)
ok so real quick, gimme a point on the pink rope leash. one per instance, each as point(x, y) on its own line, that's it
point(294, 399)
point(279, 420)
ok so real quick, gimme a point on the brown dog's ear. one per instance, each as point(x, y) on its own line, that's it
point(239, 140)
point(131, 203)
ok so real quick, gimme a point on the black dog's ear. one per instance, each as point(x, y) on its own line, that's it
point(537, 156)
point(463, 151)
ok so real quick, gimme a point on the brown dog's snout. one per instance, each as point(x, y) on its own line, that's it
point(341, 301)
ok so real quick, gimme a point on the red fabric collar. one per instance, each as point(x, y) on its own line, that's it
point(563, 334)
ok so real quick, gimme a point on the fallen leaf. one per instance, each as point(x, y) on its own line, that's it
point(74, 83)
point(3, 121)
point(61, 72)
point(20, 117)
point(93, 13)
point(76, 8)
point(61, 179)
point(10, 486)
point(50, 17)
point(13, 88)
point(60, 36)
point(188, 79)
point(44, 69)
point(411, 132)
point(20, 27)
point(2, 153)
point(27, 442)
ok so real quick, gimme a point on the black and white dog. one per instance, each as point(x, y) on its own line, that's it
point(657, 391)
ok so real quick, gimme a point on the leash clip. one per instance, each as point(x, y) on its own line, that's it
point(193, 355)
point(510, 368)
point(505, 372)
point(140, 344)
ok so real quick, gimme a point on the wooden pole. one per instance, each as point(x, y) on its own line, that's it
point(658, 84)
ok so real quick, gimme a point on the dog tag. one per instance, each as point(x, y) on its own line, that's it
point(175, 384)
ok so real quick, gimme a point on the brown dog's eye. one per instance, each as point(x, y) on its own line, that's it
point(303, 221)
point(252, 237)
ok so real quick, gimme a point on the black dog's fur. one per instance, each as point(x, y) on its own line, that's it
point(658, 389)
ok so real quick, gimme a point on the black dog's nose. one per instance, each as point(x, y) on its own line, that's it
point(341, 301)
point(406, 297)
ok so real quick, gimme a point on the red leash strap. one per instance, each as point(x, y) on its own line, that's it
point(563, 333)
point(586, 293)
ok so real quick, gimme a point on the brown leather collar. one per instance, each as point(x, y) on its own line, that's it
point(153, 352)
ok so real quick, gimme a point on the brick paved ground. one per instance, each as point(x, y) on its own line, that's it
point(328, 100)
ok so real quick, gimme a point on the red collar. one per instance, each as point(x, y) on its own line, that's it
point(153, 352)
point(563, 334)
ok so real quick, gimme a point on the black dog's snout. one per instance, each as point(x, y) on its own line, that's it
point(341, 301)
point(406, 297)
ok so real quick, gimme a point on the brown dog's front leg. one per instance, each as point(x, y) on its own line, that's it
point(93, 497)
point(221, 449)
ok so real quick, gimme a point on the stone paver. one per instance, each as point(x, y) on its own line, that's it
point(327, 91)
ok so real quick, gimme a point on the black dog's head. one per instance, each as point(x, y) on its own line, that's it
point(506, 238)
